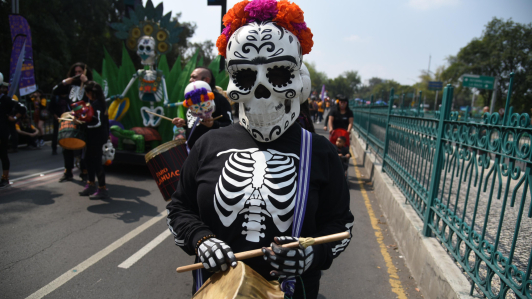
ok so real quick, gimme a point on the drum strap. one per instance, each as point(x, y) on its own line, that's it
point(300, 206)
point(191, 132)
point(305, 159)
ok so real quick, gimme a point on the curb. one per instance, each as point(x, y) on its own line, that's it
point(433, 269)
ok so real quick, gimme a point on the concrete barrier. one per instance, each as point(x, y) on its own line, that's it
point(434, 270)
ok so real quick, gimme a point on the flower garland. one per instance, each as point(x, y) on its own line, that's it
point(197, 96)
point(286, 14)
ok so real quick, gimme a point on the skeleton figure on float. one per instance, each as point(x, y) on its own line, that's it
point(150, 34)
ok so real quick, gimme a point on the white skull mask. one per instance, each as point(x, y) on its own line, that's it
point(146, 50)
point(264, 61)
point(108, 152)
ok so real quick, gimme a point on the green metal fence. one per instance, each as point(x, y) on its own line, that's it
point(470, 182)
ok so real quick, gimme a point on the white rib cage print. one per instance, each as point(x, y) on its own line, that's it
point(258, 184)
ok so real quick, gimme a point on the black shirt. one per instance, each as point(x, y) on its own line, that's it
point(8, 107)
point(344, 150)
point(341, 120)
point(243, 191)
point(97, 129)
point(222, 108)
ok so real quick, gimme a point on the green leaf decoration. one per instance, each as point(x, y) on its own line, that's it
point(159, 10)
point(149, 10)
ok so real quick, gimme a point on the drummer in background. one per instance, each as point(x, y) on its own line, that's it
point(97, 134)
point(70, 89)
point(223, 108)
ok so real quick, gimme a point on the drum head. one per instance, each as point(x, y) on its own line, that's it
point(239, 283)
point(72, 143)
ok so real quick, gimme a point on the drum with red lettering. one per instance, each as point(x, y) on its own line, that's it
point(165, 163)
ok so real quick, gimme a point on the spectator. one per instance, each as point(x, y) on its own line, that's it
point(341, 117)
point(343, 152)
point(70, 88)
point(321, 109)
point(312, 109)
point(28, 132)
point(40, 115)
point(223, 108)
point(7, 106)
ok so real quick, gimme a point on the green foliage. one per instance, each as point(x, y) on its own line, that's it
point(504, 47)
point(221, 77)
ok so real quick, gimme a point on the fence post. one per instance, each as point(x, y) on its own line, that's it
point(369, 122)
point(419, 104)
point(438, 159)
point(385, 151)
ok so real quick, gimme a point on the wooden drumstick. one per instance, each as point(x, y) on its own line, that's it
point(258, 252)
point(161, 116)
point(167, 118)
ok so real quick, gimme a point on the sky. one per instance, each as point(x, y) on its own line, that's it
point(390, 39)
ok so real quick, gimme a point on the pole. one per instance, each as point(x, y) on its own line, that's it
point(436, 101)
point(428, 71)
point(494, 95)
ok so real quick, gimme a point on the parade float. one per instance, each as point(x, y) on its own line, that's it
point(134, 95)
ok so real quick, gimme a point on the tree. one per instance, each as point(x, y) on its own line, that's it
point(317, 79)
point(345, 84)
point(60, 39)
point(504, 47)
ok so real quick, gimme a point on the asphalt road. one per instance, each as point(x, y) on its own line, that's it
point(56, 244)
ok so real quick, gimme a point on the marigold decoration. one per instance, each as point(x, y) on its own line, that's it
point(284, 13)
point(197, 96)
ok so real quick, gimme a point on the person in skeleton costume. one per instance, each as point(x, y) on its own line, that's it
point(200, 114)
point(264, 180)
point(150, 34)
point(68, 92)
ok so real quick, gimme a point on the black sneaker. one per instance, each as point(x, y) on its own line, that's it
point(4, 184)
point(100, 194)
point(66, 177)
point(89, 190)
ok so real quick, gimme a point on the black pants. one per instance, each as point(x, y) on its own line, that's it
point(69, 156)
point(54, 137)
point(93, 159)
point(31, 141)
point(3, 152)
point(14, 135)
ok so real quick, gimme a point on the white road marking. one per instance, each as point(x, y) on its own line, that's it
point(37, 174)
point(61, 280)
point(144, 250)
point(41, 178)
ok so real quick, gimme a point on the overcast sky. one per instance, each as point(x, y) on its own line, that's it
point(391, 39)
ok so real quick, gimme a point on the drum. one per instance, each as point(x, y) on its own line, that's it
point(239, 283)
point(70, 135)
point(165, 163)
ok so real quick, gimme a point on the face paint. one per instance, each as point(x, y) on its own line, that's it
point(264, 61)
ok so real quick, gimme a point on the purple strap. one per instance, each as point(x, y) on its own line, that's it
point(305, 158)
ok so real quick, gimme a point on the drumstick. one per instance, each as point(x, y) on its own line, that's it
point(161, 116)
point(167, 118)
point(258, 252)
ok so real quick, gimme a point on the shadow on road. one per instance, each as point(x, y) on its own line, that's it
point(34, 196)
point(129, 210)
point(24, 200)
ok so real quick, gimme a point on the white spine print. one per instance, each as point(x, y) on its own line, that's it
point(258, 184)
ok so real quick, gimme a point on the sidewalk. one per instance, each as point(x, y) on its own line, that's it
point(372, 266)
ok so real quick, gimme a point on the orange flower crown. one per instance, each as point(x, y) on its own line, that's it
point(287, 15)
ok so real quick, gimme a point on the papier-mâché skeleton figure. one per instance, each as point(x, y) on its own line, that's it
point(150, 34)
point(268, 78)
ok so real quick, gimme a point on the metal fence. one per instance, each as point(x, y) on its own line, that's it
point(470, 182)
